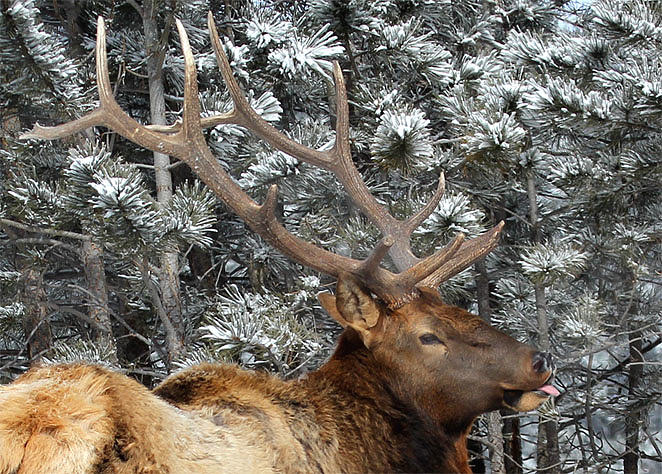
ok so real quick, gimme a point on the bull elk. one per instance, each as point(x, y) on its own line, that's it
point(400, 393)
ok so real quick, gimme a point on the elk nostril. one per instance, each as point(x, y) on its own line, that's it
point(542, 362)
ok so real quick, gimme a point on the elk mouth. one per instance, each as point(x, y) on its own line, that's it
point(527, 400)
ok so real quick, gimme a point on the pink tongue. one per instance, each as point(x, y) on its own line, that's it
point(550, 390)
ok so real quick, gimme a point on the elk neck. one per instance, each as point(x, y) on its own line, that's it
point(369, 406)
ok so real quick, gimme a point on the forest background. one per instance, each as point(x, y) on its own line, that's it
point(545, 114)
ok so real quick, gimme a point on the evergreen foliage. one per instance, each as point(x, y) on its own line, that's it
point(542, 113)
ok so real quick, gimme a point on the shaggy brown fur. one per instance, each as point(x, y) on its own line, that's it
point(383, 403)
point(81, 418)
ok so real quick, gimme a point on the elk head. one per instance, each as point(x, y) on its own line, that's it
point(449, 362)
point(405, 323)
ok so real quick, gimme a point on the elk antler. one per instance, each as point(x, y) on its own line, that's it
point(185, 140)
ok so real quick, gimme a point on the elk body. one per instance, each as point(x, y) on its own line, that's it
point(400, 393)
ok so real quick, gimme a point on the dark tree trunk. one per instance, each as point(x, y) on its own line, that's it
point(548, 454)
point(35, 322)
point(98, 309)
point(494, 422)
point(633, 417)
point(513, 445)
point(476, 457)
point(132, 349)
point(548, 447)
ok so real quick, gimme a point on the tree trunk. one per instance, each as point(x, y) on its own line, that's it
point(495, 437)
point(494, 421)
point(588, 412)
point(98, 310)
point(513, 445)
point(633, 416)
point(168, 274)
point(35, 322)
point(548, 455)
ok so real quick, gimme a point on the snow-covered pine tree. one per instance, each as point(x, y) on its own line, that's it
point(568, 126)
point(91, 205)
point(538, 113)
point(594, 110)
point(37, 74)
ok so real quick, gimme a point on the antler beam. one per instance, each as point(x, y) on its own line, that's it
point(186, 141)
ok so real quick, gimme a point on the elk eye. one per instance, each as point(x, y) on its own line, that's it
point(429, 338)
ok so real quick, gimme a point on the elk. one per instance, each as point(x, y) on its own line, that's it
point(400, 393)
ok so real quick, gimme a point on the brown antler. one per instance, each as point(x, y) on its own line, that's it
point(186, 141)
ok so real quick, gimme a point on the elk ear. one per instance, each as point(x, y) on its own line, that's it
point(355, 307)
point(328, 302)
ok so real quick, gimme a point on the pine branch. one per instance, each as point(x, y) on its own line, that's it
point(39, 230)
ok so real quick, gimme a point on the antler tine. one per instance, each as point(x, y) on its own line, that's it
point(341, 146)
point(109, 114)
point(417, 219)
point(469, 253)
point(401, 253)
point(89, 120)
point(372, 262)
point(431, 264)
point(191, 128)
point(244, 115)
point(101, 57)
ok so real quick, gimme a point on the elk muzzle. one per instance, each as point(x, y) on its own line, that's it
point(542, 364)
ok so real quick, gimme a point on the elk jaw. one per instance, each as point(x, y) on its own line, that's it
point(529, 400)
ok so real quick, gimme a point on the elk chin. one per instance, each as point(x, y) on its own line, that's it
point(520, 400)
